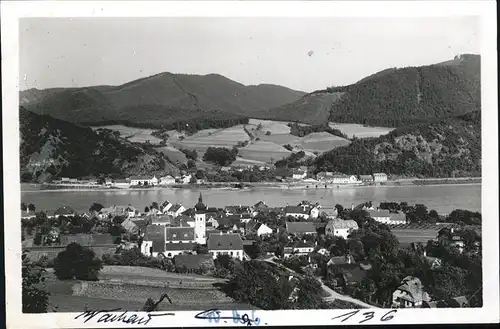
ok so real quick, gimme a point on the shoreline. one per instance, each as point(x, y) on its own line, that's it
point(277, 185)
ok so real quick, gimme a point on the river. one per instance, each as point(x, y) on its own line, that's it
point(442, 198)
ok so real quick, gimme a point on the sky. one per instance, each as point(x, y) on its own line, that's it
point(304, 54)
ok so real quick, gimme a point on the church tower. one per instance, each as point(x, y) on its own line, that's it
point(200, 219)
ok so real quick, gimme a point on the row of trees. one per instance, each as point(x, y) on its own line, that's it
point(304, 130)
point(220, 155)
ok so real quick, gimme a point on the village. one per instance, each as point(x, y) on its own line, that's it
point(306, 238)
point(300, 176)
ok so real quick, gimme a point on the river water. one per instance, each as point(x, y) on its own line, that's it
point(442, 198)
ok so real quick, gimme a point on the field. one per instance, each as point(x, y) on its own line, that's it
point(174, 155)
point(275, 127)
point(409, 235)
point(322, 142)
point(360, 131)
point(264, 151)
point(202, 140)
point(135, 135)
point(129, 288)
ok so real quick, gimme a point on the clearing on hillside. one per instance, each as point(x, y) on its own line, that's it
point(174, 155)
point(322, 142)
point(360, 131)
point(264, 151)
point(275, 127)
point(201, 141)
point(135, 135)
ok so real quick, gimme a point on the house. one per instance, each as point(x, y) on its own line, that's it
point(174, 249)
point(226, 244)
point(108, 182)
point(379, 177)
point(410, 293)
point(314, 212)
point(434, 261)
point(386, 217)
point(153, 242)
point(153, 181)
point(26, 214)
point(451, 237)
point(299, 174)
point(297, 211)
point(179, 234)
point(258, 228)
point(64, 211)
point(121, 183)
point(344, 179)
point(225, 169)
point(176, 210)
point(348, 274)
point(259, 207)
point(167, 180)
point(131, 211)
point(194, 262)
point(300, 228)
point(341, 228)
point(341, 260)
point(185, 179)
point(141, 180)
point(299, 248)
point(237, 210)
point(165, 206)
point(162, 220)
point(366, 178)
point(227, 222)
point(130, 226)
point(324, 176)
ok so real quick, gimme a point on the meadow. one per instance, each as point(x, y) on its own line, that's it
point(135, 135)
point(360, 131)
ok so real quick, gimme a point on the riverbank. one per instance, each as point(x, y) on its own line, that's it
point(242, 186)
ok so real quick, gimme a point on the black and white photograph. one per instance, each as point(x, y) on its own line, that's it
point(237, 167)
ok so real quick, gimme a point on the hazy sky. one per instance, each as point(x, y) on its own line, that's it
point(300, 53)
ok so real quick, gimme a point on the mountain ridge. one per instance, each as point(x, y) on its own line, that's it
point(185, 95)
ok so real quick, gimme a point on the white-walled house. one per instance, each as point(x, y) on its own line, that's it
point(165, 206)
point(225, 244)
point(176, 210)
point(385, 217)
point(186, 179)
point(409, 294)
point(167, 180)
point(341, 228)
point(263, 229)
point(300, 248)
point(297, 211)
point(299, 174)
point(143, 180)
point(379, 177)
point(345, 179)
point(314, 212)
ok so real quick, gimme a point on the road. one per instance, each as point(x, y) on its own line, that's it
point(332, 295)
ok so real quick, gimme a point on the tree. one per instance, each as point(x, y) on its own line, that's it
point(96, 207)
point(309, 293)
point(77, 262)
point(191, 164)
point(219, 155)
point(146, 209)
point(268, 133)
point(151, 305)
point(31, 207)
point(154, 205)
point(200, 249)
point(24, 207)
point(34, 298)
point(340, 209)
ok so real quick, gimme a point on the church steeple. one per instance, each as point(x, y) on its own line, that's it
point(200, 206)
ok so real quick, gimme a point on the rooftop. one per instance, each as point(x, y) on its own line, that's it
point(300, 227)
point(179, 233)
point(338, 223)
point(229, 241)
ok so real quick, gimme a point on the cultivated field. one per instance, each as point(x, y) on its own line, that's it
point(201, 141)
point(245, 162)
point(129, 288)
point(275, 127)
point(360, 131)
point(322, 142)
point(415, 235)
point(264, 151)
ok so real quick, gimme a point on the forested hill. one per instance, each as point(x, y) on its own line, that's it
point(53, 148)
point(393, 97)
point(162, 99)
point(437, 148)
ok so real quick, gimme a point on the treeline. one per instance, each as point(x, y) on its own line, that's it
point(441, 149)
point(301, 130)
point(294, 160)
point(407, 95)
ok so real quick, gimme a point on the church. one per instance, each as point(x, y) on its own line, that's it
point(200, 219)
